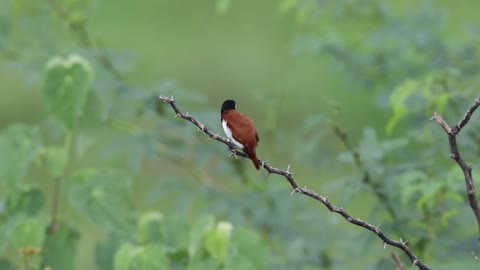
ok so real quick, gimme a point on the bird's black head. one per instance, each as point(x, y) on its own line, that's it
point(228, 105)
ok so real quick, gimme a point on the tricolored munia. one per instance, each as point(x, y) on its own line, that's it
point(240, 129)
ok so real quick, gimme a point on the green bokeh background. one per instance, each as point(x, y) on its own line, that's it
point(246, 53)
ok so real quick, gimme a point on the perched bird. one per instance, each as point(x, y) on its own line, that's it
point(240, 129)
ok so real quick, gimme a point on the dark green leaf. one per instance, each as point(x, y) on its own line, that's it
point(60, 248)
point(6, 265)
point(28, 200)
point(106, 249)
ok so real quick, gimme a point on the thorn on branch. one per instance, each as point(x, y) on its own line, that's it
point(233, 153)
point(325, 200)
point(288, 171)
point(263, 163)
point(296, 190)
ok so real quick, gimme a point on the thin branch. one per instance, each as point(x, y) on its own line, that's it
point(53, 225)
point(288, 174)
point(396, 260)
point(57, 184)
point(452, 133)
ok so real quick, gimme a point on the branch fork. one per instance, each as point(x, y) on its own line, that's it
point(452, 133)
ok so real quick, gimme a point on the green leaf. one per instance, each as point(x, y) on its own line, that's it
point(28, 200)
point(93, 116)
point(106, 249)
point(6, 265)
point(179, 258)
point(18, 147)
point(28, 233)
point(7, 228)
point(197, 233)
point(131, 257)
point(66, 87)
point(217, 241)
point(103, 196)
point(151, 227)
point(60, 248)
point(250, 251)
point(398, 101)
point(56, 159)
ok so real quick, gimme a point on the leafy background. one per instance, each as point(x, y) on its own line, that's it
point(95, 173)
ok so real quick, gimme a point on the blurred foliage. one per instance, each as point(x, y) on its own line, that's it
point(100, 176)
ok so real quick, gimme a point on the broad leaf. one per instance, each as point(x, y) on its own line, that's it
point(28, 233)
point(251, 248)
point(18, 147)
point(66, 86)
point(217, 241)
point(197, 233)
point(106, 249)
point(151, 227)
point(60, 248)
point(131, 257)
point(56, 159)
point(103, 196)
point(28, 200)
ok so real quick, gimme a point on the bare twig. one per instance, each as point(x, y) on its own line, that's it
point(396, 260)
point(452, 133)
point(288, 174)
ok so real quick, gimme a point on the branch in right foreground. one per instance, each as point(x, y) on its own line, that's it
point(288, 174)
point(452, 133)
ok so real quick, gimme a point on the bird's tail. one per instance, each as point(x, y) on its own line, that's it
point(253, 157)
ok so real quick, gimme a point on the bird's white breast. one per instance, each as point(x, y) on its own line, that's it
point(228, 132)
